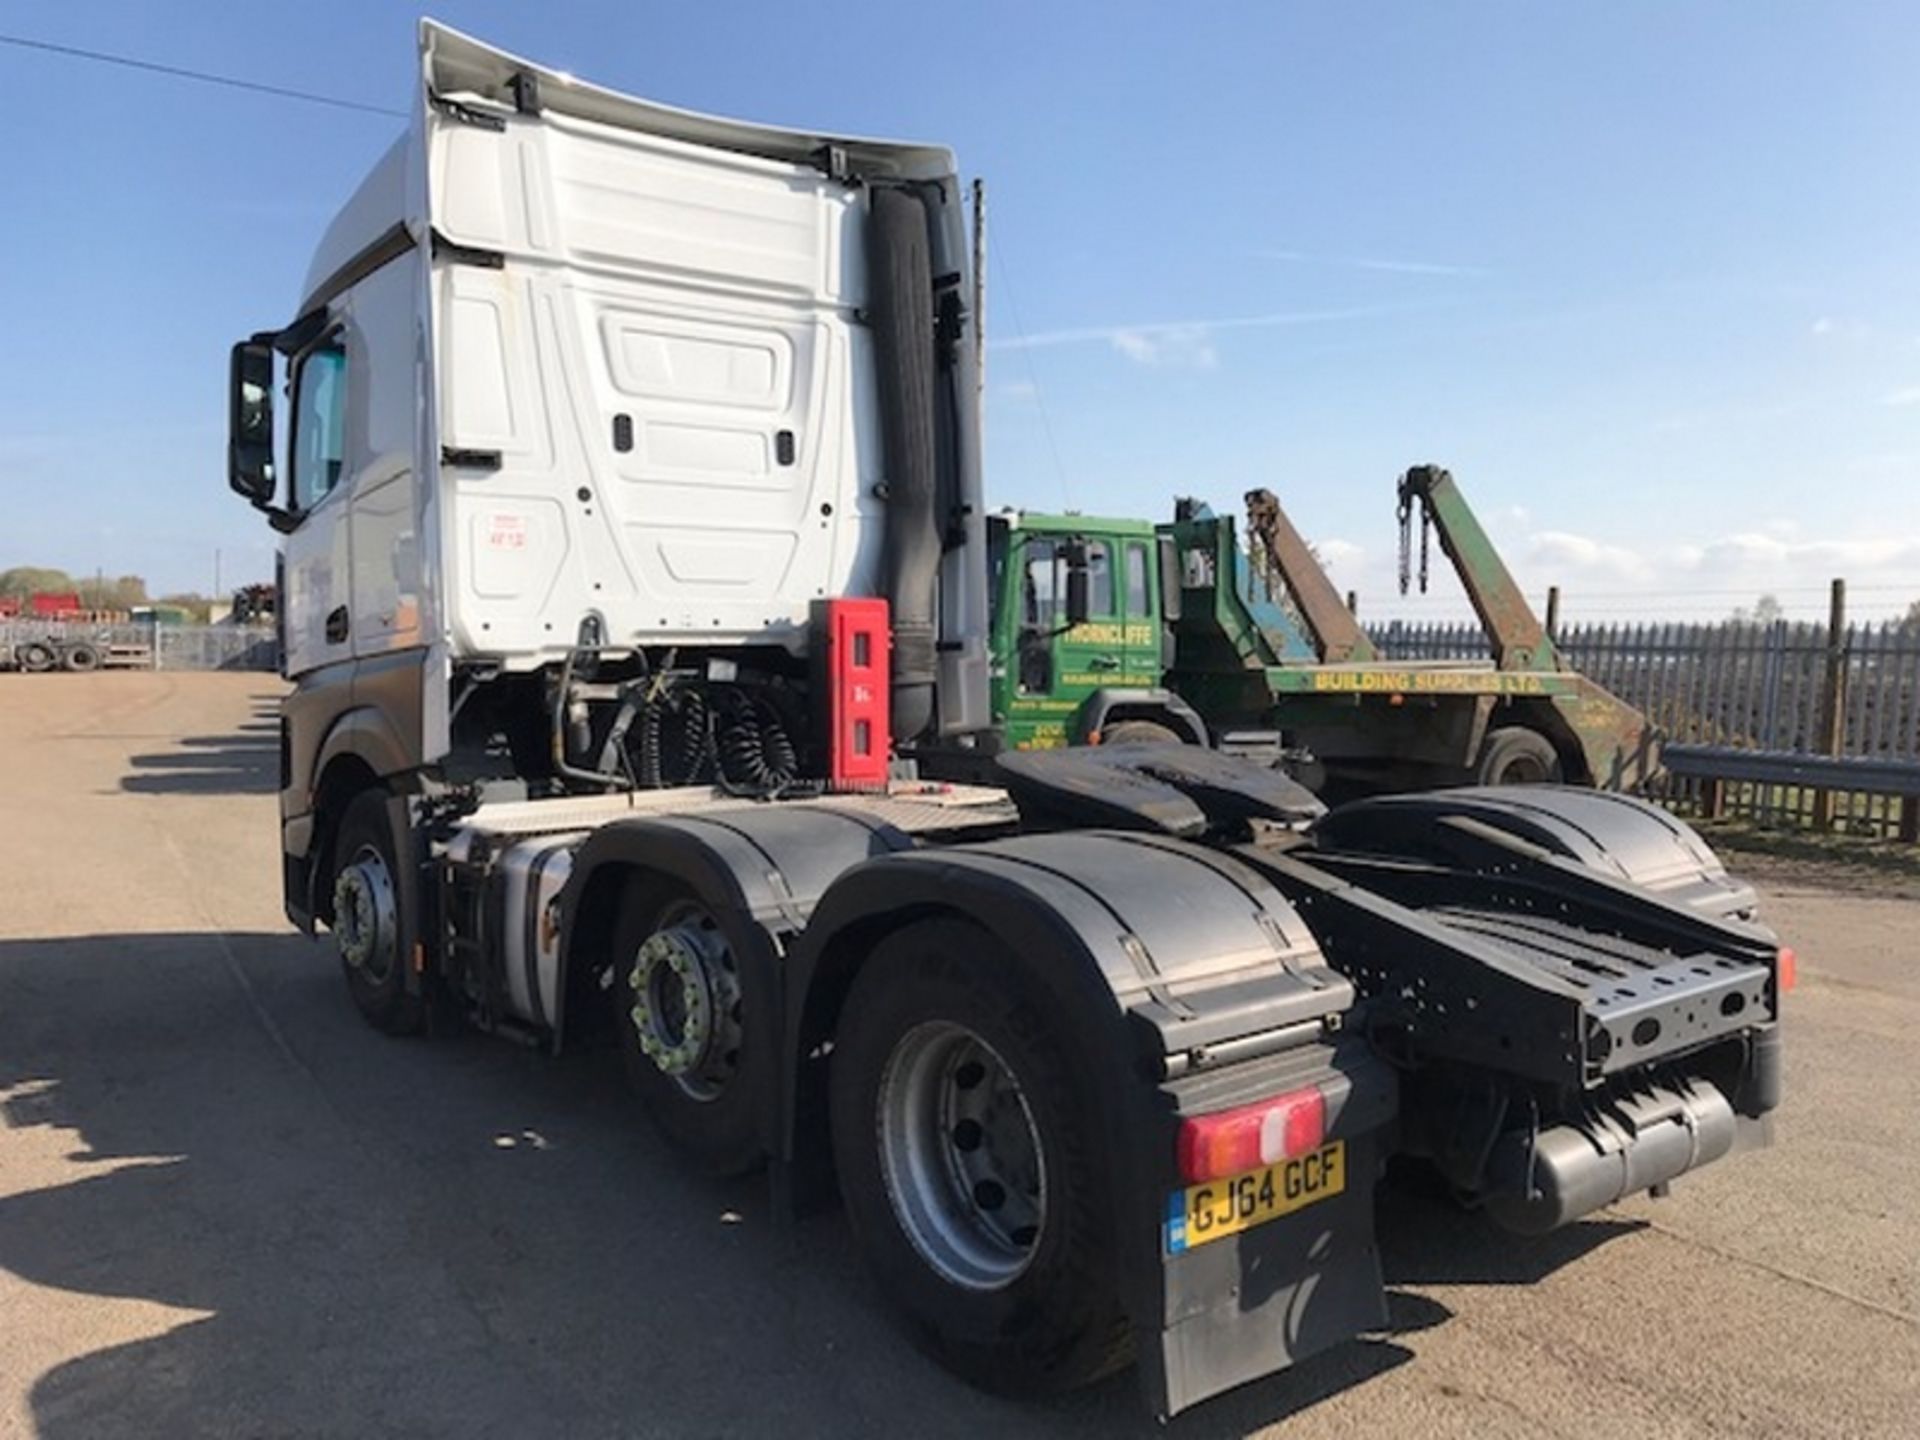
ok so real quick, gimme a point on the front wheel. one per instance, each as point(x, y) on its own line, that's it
point(367, 925)
point(34, 657)
point(962, 1139)
point(1139, 732)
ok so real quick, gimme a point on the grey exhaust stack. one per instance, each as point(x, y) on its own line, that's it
point(900, 310)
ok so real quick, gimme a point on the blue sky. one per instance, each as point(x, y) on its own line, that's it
point(1642, 274)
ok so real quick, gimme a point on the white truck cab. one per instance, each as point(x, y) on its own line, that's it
point(576, 373)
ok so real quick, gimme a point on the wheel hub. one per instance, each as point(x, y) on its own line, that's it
point(365, 912)
point(961, 1156)
point(686, 1005)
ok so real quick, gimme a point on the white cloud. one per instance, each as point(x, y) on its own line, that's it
point(1886, 462)
point(1905, 396)
point(1128, 338)
point(1184, 346)
point(1840, 328)
point(1562, 550)
point(1371, 262)
point(1673, 578)
point(1340, 555)
point(1016, 390)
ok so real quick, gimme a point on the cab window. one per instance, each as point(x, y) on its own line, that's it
point(319, 424)
point(1043, 586)
point(1099, 578)
point(1136, 580)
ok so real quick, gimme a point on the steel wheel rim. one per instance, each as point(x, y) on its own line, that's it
point(664, 1002)
point(960, 1156)
point(366, 914)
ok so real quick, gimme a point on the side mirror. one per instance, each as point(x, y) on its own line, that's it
point(250, 423)
point(1079, 597)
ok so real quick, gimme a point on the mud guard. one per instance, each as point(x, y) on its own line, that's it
point(1617, 835)
point(761, 871)
point(1161, 706)
point(1188, 983)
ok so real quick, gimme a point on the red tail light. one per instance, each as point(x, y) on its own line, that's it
point(1245, 1138)
point(1785, 969)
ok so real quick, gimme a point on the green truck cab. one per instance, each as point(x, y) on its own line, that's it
point(1067, 673)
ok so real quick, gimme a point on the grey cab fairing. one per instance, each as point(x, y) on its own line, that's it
point(367, 711)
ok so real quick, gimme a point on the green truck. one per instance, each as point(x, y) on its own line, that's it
point(1112, 631)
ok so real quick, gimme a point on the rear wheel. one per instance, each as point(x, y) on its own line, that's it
point(962, 1141)
point(81, 657)
point(1140, 732)
point(368, 928)
point(35, 657)
point(680, 1000)
point(1515, 755)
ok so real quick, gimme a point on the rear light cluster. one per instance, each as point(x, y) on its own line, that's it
point(1785, 970)
point(1249, 1136)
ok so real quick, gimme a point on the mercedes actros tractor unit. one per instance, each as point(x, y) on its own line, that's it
point(636, 604)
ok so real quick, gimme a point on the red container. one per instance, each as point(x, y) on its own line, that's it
point(852, 694)
point(52, 604)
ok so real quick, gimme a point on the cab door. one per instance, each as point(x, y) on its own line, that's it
point(319, 570)
point(1057, 666)
point(1141, 660)
point(1092, 655)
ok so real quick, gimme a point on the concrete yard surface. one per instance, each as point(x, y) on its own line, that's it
point(228, 1207)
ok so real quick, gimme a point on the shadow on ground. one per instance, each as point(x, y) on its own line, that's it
point(459, 1237)
point(246, 762)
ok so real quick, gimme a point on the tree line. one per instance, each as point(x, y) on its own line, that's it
point(118, 592)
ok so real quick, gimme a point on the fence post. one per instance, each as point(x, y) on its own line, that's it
point(1553, 613)
point(1833, 699)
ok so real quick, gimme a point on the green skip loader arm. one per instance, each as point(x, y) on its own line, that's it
point(1519, 640)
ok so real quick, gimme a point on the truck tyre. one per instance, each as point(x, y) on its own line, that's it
point(1139, 732)
point(680, 998)
point(35, 657)
point(961, 1138)
point(367, 922)
point(81, 657)
point(1515, 755)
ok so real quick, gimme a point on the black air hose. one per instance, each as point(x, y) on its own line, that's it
point(756, 755)
point(900, 311)
point(676, 738)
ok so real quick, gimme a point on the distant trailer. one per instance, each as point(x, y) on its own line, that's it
point(52, 652)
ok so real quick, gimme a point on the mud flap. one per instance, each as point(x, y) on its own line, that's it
point(1232, 1309)
point(1268, 1298)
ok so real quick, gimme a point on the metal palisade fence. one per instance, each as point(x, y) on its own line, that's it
point(157, 647)
point(1805, 689)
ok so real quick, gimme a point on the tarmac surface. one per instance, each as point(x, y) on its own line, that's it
point(227, 1207)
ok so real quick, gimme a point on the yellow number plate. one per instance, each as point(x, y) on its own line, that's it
point(1239, 1202)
